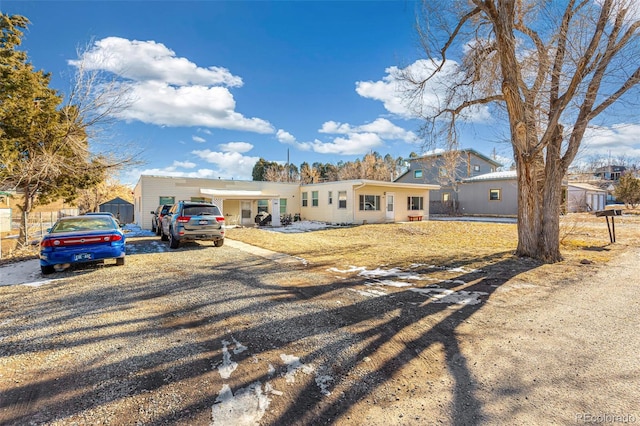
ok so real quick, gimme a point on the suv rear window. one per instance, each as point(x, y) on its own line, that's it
point(200, 210)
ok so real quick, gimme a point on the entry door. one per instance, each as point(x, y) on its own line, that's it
point(245, 213)
point(391, 216)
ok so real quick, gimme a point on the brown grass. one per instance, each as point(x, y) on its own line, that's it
point(474, 244)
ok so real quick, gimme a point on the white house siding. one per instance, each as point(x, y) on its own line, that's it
point(149, 189)
point(231, 195)
point(332, 213)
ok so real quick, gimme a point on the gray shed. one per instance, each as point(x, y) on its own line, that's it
point(121, 209)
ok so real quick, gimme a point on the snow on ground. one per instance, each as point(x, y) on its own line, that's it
point(436, 294)
point(298, 227)
point(248, 405)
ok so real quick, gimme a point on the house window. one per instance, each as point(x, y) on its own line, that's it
point(493, 169)
point(476, 168)
point(446, 196)
point(342, 199)
point(167, 200)
point(495, 195)
point(305, 199)
point(283, 206)
point(442, 171)
point(417, 174)
point(414, 203)
point(263, 206)
point(330, 197)
point(369, 202)
point(314, 198)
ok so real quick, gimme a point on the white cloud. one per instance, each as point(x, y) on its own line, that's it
point(151, 61)
point(354, 144)
point(161, 104)
point(198, 139)
point(382, 127)
point(184, 164)
point(618, 140)
point(236, 147)
point(229, 164)
point(395, 93)
point(167, 90)
point(285, 137)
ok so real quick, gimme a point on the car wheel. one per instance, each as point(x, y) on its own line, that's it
point(218, 243)
point(163, 237)
point(159, 230)
point(120, 261)
point(47, 269)
point(173, 243)
point(154, 228)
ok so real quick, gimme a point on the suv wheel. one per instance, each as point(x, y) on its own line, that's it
point(173, 243)
point(218, 243)
point(158, 230)
point(163, 237)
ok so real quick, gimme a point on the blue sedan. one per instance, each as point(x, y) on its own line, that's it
point(81, 239)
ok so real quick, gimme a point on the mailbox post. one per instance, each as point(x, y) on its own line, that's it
point(612, 228)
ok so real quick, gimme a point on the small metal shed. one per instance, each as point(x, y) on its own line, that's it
point(121, 209)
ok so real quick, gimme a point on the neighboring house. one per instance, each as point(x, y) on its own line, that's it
point(610, 172)
point(583, 197)
point(349, 202)
point(491, 194)
point(496, 194)
point(447, 169)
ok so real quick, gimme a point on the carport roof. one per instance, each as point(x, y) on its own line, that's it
point(235, 194)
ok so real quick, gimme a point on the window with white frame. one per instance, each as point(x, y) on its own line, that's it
point(305, 199)
point(342, 199)
point(417, 174)
point(283, 206)
point(330, 197)
point(495, 194)
point(414, 203)
point(263, 206)
point(369, 202)
point(314, 198)
point(446, 196)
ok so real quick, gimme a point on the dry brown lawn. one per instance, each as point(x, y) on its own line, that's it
point(584, 240)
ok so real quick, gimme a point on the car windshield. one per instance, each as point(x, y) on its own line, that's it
point(201, 210)
point(165, 209)
point(95, 222)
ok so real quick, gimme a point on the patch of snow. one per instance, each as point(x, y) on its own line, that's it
point(26, 272)
point(369, 293)
point(298, 227)
point(323, 384)
point(245, 408)
point(133, 230)
point(239, 347)
point(293, 366)
point(228, 366)
point(443, 295)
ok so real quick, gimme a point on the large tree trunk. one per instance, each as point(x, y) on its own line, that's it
point(549, 244)
point(23, 238)
point(528, 208)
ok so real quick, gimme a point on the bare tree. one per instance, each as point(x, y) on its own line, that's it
point(549, 67)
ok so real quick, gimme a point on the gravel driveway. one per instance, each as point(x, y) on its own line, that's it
point(236, 336)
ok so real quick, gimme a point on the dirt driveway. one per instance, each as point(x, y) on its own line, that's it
point(233, 336)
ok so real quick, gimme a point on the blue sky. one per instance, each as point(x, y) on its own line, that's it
point(219, 84)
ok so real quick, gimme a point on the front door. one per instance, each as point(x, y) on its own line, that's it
point(391, 217)
point(245, 213)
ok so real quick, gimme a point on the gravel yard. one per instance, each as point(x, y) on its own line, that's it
point(240, 336)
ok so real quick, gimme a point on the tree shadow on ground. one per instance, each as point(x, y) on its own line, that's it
point(368, 323)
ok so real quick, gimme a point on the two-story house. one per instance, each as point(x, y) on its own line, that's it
point(447, 169)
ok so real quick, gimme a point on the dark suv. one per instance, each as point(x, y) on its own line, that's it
point(193, 221)
point(158, 214)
